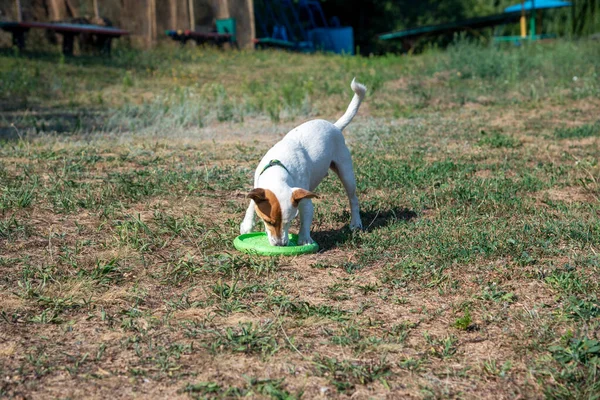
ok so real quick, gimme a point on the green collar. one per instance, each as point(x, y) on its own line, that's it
point(273, 163)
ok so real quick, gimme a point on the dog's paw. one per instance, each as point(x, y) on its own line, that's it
point(302, 240)
point(245, 228)
point(356, 225)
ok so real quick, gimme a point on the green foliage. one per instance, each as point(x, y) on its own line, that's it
point(577, 375)
point(464, 322)
point(344, 374)
point(270, 388)
point(585, 309)
point(248, 338)
point(497, 140)
point(578, 132)
point(582, 351)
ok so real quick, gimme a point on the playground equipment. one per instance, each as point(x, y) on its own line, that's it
point(300, 26)
point(225, 33)
point(96, 31)
point(530, 7)
point(515, 13)
point(104, 34)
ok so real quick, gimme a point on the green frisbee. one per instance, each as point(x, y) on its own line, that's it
point(258, 243)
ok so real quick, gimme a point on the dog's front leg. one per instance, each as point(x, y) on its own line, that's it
point(248, 223)
point(305, 207)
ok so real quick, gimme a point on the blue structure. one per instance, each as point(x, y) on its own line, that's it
point(300, 27)
point(537, 5)
point(530, 7)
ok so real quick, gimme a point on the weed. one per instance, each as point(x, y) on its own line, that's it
point(272, 388)
point(345, 374)
point(584, 309)
point(441, 348)
point(11, 229)
point(577, 375)
point(492, 368)
point(495, 293)
point(464, 322)
point(247, 338)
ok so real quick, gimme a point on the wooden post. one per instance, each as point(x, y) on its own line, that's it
point(222, 9)
point(192, 16)
point(57, 9)
point(96, 11)
point(173, 12)
point(19, 11)
point(250, 4)
point(71, 9)
point(151, 22)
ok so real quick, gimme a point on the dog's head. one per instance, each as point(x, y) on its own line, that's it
point(278, 210)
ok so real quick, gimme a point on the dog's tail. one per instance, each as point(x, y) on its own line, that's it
point(359, 94)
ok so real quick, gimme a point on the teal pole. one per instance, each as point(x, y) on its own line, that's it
point(532, 20)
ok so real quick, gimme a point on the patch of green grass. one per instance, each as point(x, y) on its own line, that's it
point(270, 388)
point(495, 293)
point(464, 322)
point(247, 338)
point(497, 140)
point(583, 131)
point(441, 347)
point(585, 309)
point(12, 228)
point(345, 374)
point(578, 363)
point(493, 368)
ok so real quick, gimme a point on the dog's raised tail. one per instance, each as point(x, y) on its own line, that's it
point(359, 94)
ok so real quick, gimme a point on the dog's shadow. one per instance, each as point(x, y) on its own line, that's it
point(372, 220)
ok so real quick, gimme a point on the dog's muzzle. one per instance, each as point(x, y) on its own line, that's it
point(282, 241)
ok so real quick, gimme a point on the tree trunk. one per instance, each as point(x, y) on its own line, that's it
point(221, 8)
point(72, 10)
point(19, 11)
point(173, 13)
point(151, 22)
point(250, 40)
point(192, 16)
point(57, 10)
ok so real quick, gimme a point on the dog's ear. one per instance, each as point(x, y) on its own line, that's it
point(258, 195)
point(299, 194)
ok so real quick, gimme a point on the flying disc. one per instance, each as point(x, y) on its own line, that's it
point(258, 243)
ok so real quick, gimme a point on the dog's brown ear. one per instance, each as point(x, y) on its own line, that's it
point(258, 195)
point(300, 194)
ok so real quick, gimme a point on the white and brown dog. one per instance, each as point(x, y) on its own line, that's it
point(295, 166)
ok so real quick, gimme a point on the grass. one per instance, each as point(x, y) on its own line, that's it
point(121, 190)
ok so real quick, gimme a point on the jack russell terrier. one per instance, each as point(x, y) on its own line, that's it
point(294, 167)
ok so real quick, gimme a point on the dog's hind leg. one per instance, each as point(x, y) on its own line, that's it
point(248, 223)
point(343, 169)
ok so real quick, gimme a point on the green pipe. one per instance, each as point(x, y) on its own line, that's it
point(532, 20)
